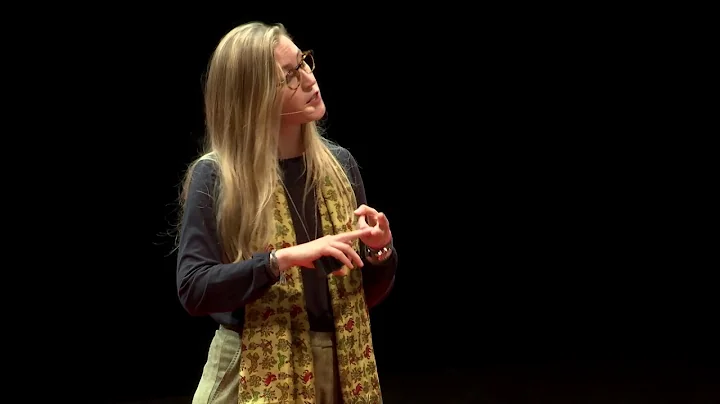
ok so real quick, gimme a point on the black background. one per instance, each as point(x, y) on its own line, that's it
point(540, 259)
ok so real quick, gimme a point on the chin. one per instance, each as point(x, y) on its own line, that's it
point(309, 115)
point(317, 113)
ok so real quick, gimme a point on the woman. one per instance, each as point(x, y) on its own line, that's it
point(275, 229)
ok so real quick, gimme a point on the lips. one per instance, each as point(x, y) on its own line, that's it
point(314, 97)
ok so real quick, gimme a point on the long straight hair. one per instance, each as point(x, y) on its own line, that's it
point(242, 112)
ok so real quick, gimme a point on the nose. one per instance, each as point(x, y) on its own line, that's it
point(307, 80)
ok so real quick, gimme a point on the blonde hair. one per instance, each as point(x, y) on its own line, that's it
point(242, 112)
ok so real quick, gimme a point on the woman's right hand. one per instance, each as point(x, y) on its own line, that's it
point(337, 246)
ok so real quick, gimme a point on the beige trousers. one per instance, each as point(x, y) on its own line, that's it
point(220, 381)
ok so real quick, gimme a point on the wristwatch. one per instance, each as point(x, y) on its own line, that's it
point(273, 265)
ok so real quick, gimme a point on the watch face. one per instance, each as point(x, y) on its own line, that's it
point(273, 264)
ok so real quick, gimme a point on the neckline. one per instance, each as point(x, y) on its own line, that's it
point(291, 159)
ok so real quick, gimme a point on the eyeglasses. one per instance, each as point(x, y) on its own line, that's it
point(293, 79)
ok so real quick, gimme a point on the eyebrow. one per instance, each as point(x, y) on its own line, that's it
point(293, 65)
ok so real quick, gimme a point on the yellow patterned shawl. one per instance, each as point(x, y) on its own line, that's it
point(276, 359)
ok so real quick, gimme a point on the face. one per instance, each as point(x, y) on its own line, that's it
point(301, 100)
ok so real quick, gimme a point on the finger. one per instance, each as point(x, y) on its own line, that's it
point(352, 235)
point(336, 252)
point(341, 272)
point(355, 258)
point(382, 221)
point(364, 210)
point(362, 223)
point(351, 254)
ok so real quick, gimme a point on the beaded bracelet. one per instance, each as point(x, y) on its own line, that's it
point(377, 256)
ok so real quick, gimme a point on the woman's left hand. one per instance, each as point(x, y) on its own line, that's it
point(380, 236)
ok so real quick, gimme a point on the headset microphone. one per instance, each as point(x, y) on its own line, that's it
point(291, 113)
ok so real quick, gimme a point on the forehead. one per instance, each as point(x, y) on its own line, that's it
point(286, 53)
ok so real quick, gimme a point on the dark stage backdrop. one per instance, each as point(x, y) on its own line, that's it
point(532, 240)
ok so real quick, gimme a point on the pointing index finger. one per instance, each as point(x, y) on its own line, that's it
point(351, 235)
